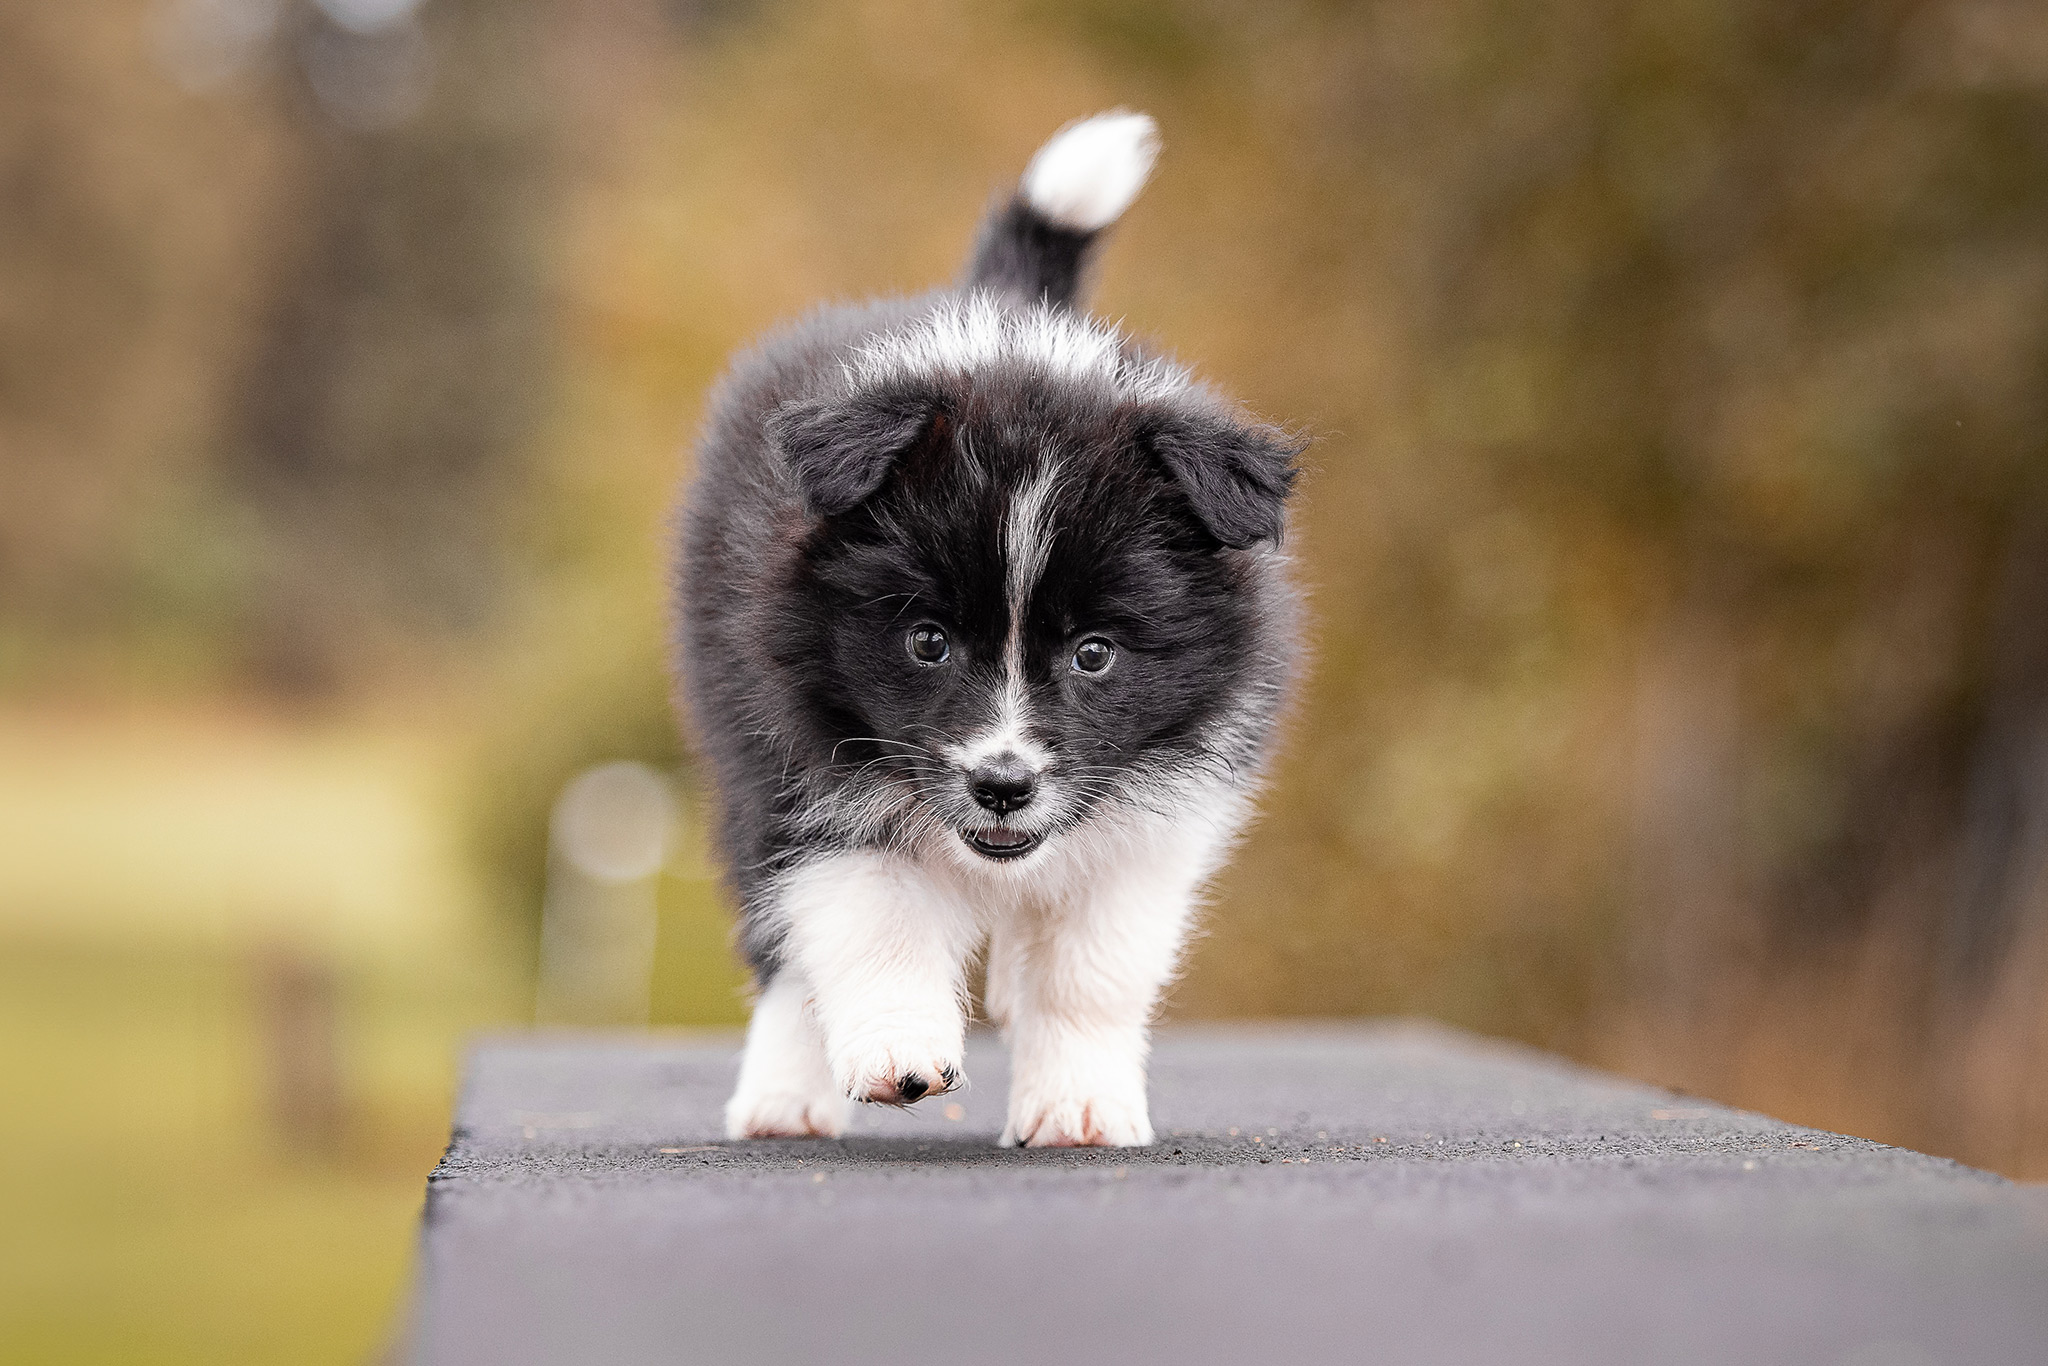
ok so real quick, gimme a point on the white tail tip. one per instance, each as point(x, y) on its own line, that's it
point(1092, 169)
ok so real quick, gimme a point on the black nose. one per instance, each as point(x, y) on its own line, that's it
point(1003, 783)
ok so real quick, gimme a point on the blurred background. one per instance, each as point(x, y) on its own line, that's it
point(1677, 534)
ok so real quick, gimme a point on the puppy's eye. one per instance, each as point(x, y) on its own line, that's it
point(1093, 655)
point(928, 644)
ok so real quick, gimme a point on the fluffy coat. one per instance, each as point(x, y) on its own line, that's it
point(984, 629)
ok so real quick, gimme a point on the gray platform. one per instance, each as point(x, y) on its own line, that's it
point(1396, 1194)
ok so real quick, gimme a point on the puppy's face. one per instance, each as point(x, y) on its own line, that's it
point(1031, 613)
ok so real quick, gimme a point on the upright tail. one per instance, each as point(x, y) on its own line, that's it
point(1036, 246)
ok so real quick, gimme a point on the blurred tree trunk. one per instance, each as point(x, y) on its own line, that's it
point(1695, 929)
point(1990, 1089)
point(405, 357)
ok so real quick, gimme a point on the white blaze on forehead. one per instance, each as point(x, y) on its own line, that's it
point(971, 332)
point(1027, 540)
point(1027, 536)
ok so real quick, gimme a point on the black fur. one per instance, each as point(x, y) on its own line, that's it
point(830, 515)
point(840, 448)
point(1025, 255)
point(1236, 475)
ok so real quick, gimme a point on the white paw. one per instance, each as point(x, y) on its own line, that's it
point(898, 1068)
point(784, 1114)
point(1098, 1121)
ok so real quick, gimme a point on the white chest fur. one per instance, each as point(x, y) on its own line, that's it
point(1082, 937)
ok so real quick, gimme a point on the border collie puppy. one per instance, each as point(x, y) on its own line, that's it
point(985, 630)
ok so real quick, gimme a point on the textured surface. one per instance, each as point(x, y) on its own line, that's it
point(1390, 1193)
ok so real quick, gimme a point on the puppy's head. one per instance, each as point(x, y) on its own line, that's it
point(1029, 585)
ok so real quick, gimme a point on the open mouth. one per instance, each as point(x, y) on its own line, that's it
point(996, 842)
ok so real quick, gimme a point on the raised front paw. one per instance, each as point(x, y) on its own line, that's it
point(784, 1114)
point(897, 1070)
point(1077, 1121)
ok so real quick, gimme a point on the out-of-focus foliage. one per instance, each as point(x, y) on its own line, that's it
point(1677, 532)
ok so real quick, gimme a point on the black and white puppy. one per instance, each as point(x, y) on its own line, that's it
point(985, 631)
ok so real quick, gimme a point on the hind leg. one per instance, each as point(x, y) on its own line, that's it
point(785, 1090)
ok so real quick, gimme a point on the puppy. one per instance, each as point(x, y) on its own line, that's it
point(984, 628)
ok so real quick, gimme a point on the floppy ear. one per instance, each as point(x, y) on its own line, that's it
point(840, 449)
point(1236, 475)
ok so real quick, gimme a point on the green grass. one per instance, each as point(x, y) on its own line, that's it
point(154, 1207)
point(698, 979)
point(155, 1210)
point(156, 1213)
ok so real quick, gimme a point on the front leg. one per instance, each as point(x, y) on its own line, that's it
point(1079, 985)
point(884, 947)
point(785, 1089)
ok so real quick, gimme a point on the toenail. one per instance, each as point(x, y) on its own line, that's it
point(910, 1086)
